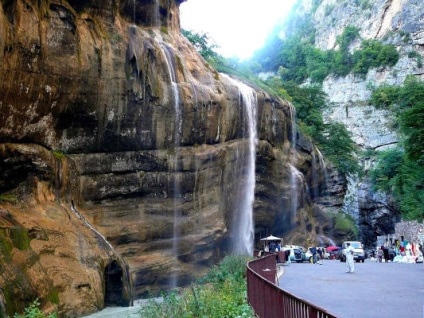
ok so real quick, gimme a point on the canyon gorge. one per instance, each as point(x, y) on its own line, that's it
point(128, 165)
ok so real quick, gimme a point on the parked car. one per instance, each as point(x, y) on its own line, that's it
point(358, 251)
point(297, 253)
point(325, 254)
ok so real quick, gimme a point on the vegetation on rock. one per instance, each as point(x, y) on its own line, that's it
point(34, 311)
point(298, 59)
point(345, 226)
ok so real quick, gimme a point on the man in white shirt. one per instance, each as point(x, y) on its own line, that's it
point(349, 258)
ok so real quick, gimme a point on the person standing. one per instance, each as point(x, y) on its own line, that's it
point(380, 254)
point(272, 246)
point(278, 248)
point(320, 252)
point(313, 250)
point(386, 254)
point(349, 258)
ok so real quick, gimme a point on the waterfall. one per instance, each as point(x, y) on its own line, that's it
point(125, 269)
point(322, 240)
point(177, 133)
point(173, 77)
point(243, 228)
point(293, 171)
point(297, 184)
point(319, 164)
point(157, 14)
point(134, 12)
point(323, 167)
point(351, 199)
point(81, 217)
point(315, 180)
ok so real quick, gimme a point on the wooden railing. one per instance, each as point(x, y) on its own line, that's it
point(270, 301)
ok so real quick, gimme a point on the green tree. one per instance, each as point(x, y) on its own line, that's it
point(339, 147)
point(309, 102)
point(403, 178)
point(389, 165)
point(202, 44)
point(374, 54)
point(412, 125)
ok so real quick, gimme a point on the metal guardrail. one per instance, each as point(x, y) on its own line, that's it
point(270, 301)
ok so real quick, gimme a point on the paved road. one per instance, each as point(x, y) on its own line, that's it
point(375, 289)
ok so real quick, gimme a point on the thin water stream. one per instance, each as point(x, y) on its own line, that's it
point(177, 136)
point(244, 228)
point(294, 185)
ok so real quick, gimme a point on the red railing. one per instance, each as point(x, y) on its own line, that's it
point(270, 301)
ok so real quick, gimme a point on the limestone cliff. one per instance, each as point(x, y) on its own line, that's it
point(397, 22)
point(114, 130)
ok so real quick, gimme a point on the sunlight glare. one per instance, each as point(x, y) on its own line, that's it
point(238, 27)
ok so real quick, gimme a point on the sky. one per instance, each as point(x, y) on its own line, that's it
point(238, 27)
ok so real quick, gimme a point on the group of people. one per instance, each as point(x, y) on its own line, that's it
point(272, 247)
point(400, 251)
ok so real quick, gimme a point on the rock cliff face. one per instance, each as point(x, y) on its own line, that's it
point(397, 22)
point(122, 156)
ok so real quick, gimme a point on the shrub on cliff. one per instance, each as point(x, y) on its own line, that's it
point(33, 311)
point(221, 293)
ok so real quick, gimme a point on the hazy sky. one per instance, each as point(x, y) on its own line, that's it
point(238, 27)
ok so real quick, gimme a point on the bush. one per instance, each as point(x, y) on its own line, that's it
point(221, 293)
point(33, 311)
point(345, 225)
point(374, 54)
point(384, 96)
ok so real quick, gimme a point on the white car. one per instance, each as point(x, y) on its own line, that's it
point(358, 251)
point(297, 253)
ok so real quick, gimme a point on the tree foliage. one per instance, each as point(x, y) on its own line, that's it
point(373, 54)
point(339, 148)
point(333, 138)
point(396, 174)
point(202, 44)
point(400, 171)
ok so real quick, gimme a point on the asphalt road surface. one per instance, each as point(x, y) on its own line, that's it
point(389, 290)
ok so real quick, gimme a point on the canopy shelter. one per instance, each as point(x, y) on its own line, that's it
point(271, 238)
point(332, 248)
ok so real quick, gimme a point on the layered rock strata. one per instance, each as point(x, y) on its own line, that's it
point(116, 135)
